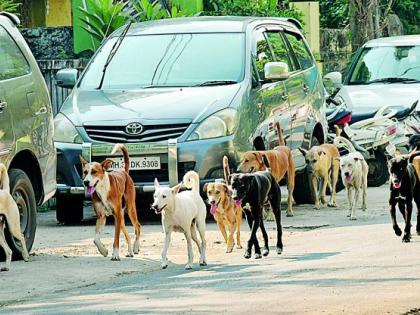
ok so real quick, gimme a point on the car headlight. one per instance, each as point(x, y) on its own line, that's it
point(219, 124)
point(65, 131)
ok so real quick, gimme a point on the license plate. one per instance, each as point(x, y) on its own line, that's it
point(138, 163)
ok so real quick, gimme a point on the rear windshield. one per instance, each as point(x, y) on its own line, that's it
point(169, 60)
point(377, 63)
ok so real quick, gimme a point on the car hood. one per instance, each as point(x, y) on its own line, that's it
point(368, 98)
point(153, 105)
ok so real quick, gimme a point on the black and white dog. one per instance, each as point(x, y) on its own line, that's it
point(256, 189)
point(404, 187)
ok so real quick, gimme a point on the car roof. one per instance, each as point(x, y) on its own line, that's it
point(203, 24)
point(407, 40)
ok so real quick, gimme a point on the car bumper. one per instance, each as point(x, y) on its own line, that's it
point(203, 156)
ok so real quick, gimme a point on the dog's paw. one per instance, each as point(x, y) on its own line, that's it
point(265, 252)
point(136, 248)
point(352, 218)
point(364, 208)
point(406, 238)
point(290, 214)
point(247, 255)
point(129, 255)
point(257, 256)
point(317, 207)
point(203, 263)
point(239, 246)
point(4, 269)
point(188, 267)
point(26, 257)
point(279, 250)
point(115, 258)
point(229, 249)
point(397, 230)
point(349, 215)
point(332, 205)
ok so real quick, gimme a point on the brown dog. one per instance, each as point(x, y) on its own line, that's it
point(108, 189)
point(415, 160)
point(281, 162)
point(225, 210)
point(322, 162)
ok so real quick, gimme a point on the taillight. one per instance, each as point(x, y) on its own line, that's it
point(345, 120)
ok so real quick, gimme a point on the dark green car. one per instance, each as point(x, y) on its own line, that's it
point(182, 93)
point(26, 127)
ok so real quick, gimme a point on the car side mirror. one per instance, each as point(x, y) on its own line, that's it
point(333, 80)
point(66, 78)
point(276, 71)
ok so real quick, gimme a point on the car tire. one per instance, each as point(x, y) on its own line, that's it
point(69, 209)
point(378, 170)
point(23, 193)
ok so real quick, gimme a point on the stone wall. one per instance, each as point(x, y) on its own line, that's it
point(49, 43)
point(336, 49)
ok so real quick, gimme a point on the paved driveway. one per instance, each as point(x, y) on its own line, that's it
point(330, 265)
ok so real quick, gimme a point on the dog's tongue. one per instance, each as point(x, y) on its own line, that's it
point(238, 202)
point(397, 185)
point(213, 209)
point(90, 190)
point(348, 178)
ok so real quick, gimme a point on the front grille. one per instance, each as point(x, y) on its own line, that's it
point(150, 133)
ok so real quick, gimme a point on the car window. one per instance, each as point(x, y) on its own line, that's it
point(280, 50)
point(300, 49)
point(12, 62)
point(263, 55)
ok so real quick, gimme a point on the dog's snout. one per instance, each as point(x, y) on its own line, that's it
point(212, 202)
point(86, 183)
point(347, 173)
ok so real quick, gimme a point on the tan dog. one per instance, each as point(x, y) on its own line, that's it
point(9, 213)
point(415, 158)
point(225, 210)
point(108, 189)
point(281, 162)
point(322, 163)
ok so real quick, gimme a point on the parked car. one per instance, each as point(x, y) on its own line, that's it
point(384, 72)
point(26, 128)
point(181, 94)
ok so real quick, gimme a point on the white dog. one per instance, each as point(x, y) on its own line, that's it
point(182, 212)
point(354, 172)
point(9, 213)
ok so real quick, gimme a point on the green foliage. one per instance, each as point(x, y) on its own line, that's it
point(11, 6)
point(102, 17)
point(149, 11)
point(271, 8)
point(409, 13)
point(334, 13)
point(190, 7)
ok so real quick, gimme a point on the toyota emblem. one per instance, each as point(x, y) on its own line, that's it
point(134, 129)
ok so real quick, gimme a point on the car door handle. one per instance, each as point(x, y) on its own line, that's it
point(42, 111)
point(3, 105)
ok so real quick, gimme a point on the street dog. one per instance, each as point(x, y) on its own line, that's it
point(323, 165)
point(225, 210)
point(182, 212)
point(255, 189)
point(354, 172)
point(9, 213)
point(416, 162)
point(404, 187)
point(108, 190)
point(281, 163)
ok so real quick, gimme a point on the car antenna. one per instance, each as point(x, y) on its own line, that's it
point(113, 51)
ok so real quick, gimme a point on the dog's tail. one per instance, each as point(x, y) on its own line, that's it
point(226, 170)
point(4, 178)
point(413, 155)
point(191, 180)
point(347, 144)
point(123, 149)
point(337, 131)
point(280, 134)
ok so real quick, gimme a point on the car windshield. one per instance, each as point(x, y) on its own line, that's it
point(169, 60)
point(387, 65)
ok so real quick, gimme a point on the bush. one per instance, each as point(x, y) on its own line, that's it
point(269, 8)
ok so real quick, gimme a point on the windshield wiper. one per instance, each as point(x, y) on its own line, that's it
point(216, 82)
point(394, 80)
point(112, 53)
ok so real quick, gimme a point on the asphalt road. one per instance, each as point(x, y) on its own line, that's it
point(330, 265)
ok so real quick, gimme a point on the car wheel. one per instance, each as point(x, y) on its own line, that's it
point(23, 193)
point(378, 170)
point(69, 209)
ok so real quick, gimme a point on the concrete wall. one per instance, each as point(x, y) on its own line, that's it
point(310, 10)
point(58, 13)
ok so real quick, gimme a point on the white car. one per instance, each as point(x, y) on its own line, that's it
point(384, 71)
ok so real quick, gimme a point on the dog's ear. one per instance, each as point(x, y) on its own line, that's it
point(156, 183)
point(303, 151)
point(205, 187)
point(258, 156)
point(106, 164)
point(320, 152)
point(176, 189)
point(227, 190)
point(83, 161)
